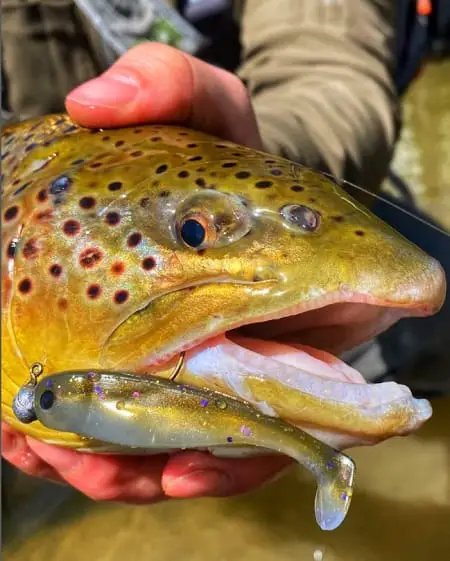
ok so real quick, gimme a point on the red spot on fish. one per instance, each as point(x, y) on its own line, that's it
point(25, 286)
point(117, 268)
point(30, 249)
point(71, 227)
point(93, 291)
point(90, 257)
point(121, 296)
point(63, 304)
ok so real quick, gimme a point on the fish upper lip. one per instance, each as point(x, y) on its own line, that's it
point(393, 311)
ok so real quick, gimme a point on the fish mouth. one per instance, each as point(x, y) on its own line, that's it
point(286, 364)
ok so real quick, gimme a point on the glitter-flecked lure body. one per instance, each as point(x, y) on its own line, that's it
point(123, 248)
point(148, 413)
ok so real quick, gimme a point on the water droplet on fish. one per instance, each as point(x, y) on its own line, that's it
point(221, 404)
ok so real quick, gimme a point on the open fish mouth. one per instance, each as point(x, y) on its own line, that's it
point(286, 364)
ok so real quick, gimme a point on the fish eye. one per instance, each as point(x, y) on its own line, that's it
point(47, 399)
point(192, 232)
point(211, 219)
point(301, 216)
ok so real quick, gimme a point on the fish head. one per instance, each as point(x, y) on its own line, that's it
point(123, 248)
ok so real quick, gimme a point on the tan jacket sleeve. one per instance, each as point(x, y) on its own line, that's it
point(320, 74)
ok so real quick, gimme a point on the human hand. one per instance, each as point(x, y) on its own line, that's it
point(154, 83)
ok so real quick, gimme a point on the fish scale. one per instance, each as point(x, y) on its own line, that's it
point(96, 273)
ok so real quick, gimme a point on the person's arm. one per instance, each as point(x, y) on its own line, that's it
point(320, 76)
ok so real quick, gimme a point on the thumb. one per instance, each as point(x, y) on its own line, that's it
point(157, 83)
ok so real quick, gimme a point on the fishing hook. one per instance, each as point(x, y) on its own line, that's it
point(178, 366)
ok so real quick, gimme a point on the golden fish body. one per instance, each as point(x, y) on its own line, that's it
point(122, 248)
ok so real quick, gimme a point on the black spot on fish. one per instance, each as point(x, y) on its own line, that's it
point(25, 286)
point(276, 172)
point(263, 184)
point(148, 263)
point(161, 169)
point(30, 146)
point(115, 185)
point(106, 138)
point(11, 212)
point(297, 188)
point(77, 162)
point(134, 239)
point(121, 296)
point(112, 218)
point(200, 182)
point(145, 202)
point(87, 202)
point(242, 174)
point(337, 218)
point(136, 153)
point(42, 195)
point(192, 145)
point(55, 270)
point(119, 143)
point(229, 164)
point(195, 158)
point(93, 291)
point(182, 174)
point(164, 194)
point(360, 233)
point(22, 188)
point(156, 139)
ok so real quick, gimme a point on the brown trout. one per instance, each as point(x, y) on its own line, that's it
point(123, 248)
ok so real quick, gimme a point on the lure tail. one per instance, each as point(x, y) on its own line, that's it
point(334, 492)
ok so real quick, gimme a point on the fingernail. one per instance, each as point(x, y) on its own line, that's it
point(109, 90)
point(199, 483)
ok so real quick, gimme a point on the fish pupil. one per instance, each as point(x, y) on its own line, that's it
point(47, 400)
point(193, 233)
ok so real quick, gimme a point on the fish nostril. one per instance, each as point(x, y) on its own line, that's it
point(301, 216)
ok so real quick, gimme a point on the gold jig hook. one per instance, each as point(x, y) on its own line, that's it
point(178, 367)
